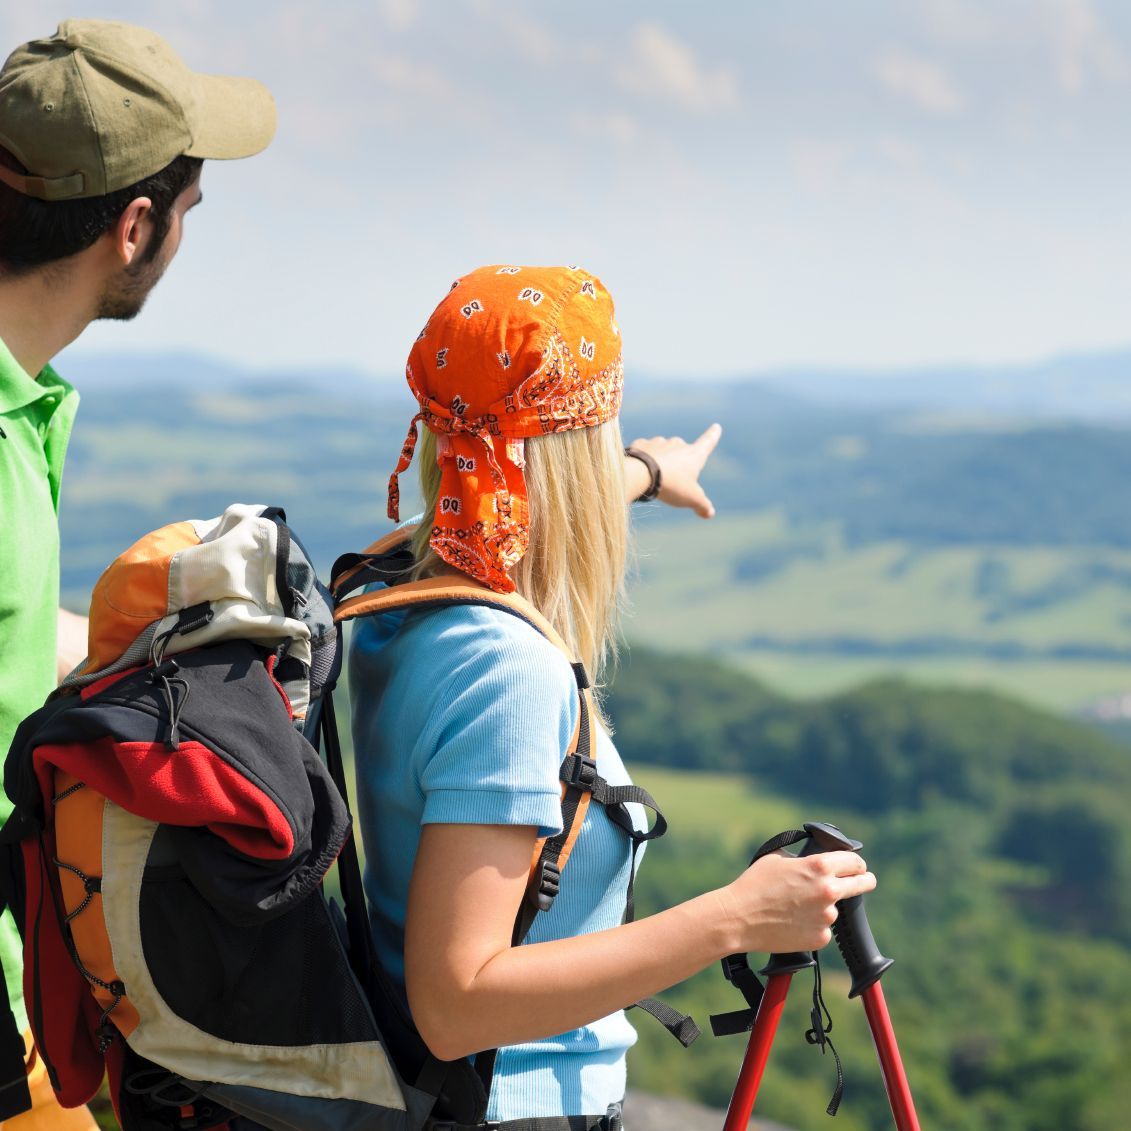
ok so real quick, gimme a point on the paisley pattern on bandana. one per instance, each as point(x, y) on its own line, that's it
point(535, 350)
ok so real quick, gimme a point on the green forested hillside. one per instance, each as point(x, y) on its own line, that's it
point(1004, 862)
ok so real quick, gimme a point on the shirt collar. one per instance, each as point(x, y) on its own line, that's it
point(18, 389)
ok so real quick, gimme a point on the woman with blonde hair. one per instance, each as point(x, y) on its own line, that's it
point(462, 715)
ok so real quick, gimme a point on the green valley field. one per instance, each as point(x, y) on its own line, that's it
point(810, 613)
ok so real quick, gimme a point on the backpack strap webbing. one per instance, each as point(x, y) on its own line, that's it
point(380, 561)
point(361, 948)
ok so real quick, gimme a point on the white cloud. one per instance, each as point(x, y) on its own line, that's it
point(1084, 50)
point(1083, 47)
point(919, 80)
point(534, 41)
point(398, 14)
point(660, 66)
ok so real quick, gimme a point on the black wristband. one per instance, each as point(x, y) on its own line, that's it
point(653, 470)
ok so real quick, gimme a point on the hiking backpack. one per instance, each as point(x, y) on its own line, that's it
point(172, 830)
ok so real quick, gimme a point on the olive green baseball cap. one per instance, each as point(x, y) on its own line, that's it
point(100, 106)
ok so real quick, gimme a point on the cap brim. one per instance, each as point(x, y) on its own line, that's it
point(235, 118)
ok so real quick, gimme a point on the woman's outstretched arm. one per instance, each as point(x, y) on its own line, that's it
point(469, 990)
point(680, 466)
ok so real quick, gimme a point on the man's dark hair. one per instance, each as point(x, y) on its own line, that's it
point(34, 233)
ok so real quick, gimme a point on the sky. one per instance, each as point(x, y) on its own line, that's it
point(875, 184)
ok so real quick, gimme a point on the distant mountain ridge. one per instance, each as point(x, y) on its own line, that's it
point(1084, 386)
point(203, 372)
point(1093, 387)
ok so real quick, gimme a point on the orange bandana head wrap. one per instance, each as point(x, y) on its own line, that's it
point(511, 352)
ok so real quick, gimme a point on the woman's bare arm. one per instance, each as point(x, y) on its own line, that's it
point(470, 990)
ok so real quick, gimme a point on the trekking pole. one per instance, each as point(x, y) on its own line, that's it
point(891, 1064)
point(779, 973)
point(758, 1051)
point(866, 965)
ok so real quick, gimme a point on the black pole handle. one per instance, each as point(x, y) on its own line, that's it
point(857, 946)
point(852, 932)
point(824, 837)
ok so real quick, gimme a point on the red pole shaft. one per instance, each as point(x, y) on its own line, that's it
point(895, 1079)
point(757, 1053)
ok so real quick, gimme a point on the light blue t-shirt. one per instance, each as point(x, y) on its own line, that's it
point(462, 715)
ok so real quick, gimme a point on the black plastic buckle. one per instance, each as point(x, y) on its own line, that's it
point(582, 772)
point(548, 886)
point(733, 965)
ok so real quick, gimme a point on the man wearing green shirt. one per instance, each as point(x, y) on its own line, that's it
point(102, 133)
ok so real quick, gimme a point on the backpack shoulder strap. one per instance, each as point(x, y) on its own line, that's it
point(383, 560)
point(579, 767)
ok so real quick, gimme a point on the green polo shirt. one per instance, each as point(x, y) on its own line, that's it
point(35, 425)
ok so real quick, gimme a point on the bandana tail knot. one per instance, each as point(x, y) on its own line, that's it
point(394, 508)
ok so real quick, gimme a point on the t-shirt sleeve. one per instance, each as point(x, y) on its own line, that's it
point(508, 711)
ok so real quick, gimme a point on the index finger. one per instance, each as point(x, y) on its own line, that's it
point(707, 443)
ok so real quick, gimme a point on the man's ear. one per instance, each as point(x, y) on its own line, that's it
point(133, 229)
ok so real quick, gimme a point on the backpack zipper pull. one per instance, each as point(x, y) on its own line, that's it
point(166, 674)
